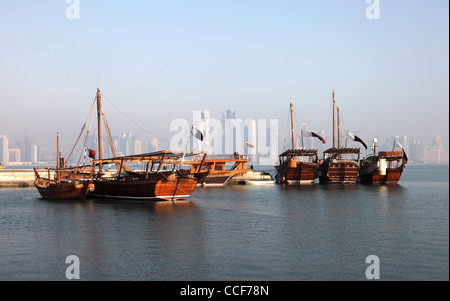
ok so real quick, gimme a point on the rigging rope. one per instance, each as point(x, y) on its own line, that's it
point(173, 184)
point(85, 139)
point(132, 121)
point(82, 130)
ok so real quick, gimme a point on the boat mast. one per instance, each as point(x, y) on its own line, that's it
point(99, 126)
point(57, 159)
point(338, 129)
point(334, 120)
point(292, 125)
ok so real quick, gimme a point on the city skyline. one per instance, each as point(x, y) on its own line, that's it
point(156, 62)
point(127, 143)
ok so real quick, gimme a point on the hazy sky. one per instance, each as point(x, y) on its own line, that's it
point(157, 61)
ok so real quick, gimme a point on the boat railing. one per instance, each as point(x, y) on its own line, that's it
point(229, 157)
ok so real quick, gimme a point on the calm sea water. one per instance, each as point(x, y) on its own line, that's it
point(317, 232)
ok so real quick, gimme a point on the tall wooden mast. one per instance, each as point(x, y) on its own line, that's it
point(334, 120)
point(292, 125)
point(338, 129)
point(57, 159)
point(293, 161)
point(99, 126)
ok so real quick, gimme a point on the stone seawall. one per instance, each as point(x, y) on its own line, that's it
point(16, 178)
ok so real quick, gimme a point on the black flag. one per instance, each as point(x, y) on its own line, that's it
point(197, 134)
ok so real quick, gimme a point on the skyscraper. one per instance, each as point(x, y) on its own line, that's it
point(434, 153)
point(154, 145)
point(29, 149)
point(14, 155)
point(4, 153)
point(137, 147)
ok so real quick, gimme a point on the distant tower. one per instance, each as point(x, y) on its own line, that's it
point(4, 153)
point(137, 147)
point(154, 145)
point(14, 155)
point(437, 142)
point(251, 138)
point(28, 148)
point(126, 143)
point(305, 142)
point(201, 123)
point(321, 146)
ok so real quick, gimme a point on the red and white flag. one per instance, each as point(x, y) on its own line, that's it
point(356, 138)
point(312, 134)
point(249, 144)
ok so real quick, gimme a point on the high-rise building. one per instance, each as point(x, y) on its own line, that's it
point(321, 146)
point(34, 153)
point(14, 155)
point(4, 153)
point(304, 142)
point(415, 150)
point(153, 147)
point(29, 148)
point(126, 143)
point(434, 153)
point(137, 147)
point(201, 122)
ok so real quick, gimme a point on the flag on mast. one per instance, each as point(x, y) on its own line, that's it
point(197, 134)
point(356, 138)
point(405, 158)
point(312, 134)
point(399, 145)
point(91, 153)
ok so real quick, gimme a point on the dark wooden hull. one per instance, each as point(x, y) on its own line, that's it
point(62, 191)
point(380, 169)
point(145, 189)
point(392, 176)
point(220, 178)
point(340, 171)
point(303, 173)
point(215, 180)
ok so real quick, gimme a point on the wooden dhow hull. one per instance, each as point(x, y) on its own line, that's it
point(145, 189)
point(221, 178)
point(392, 176)
point(303, 173)
point(167, 182)
point(215, 180)
point(339, 171)
point(380, 170)
point(68, 183)
point(215, 171)
point(62, 191)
